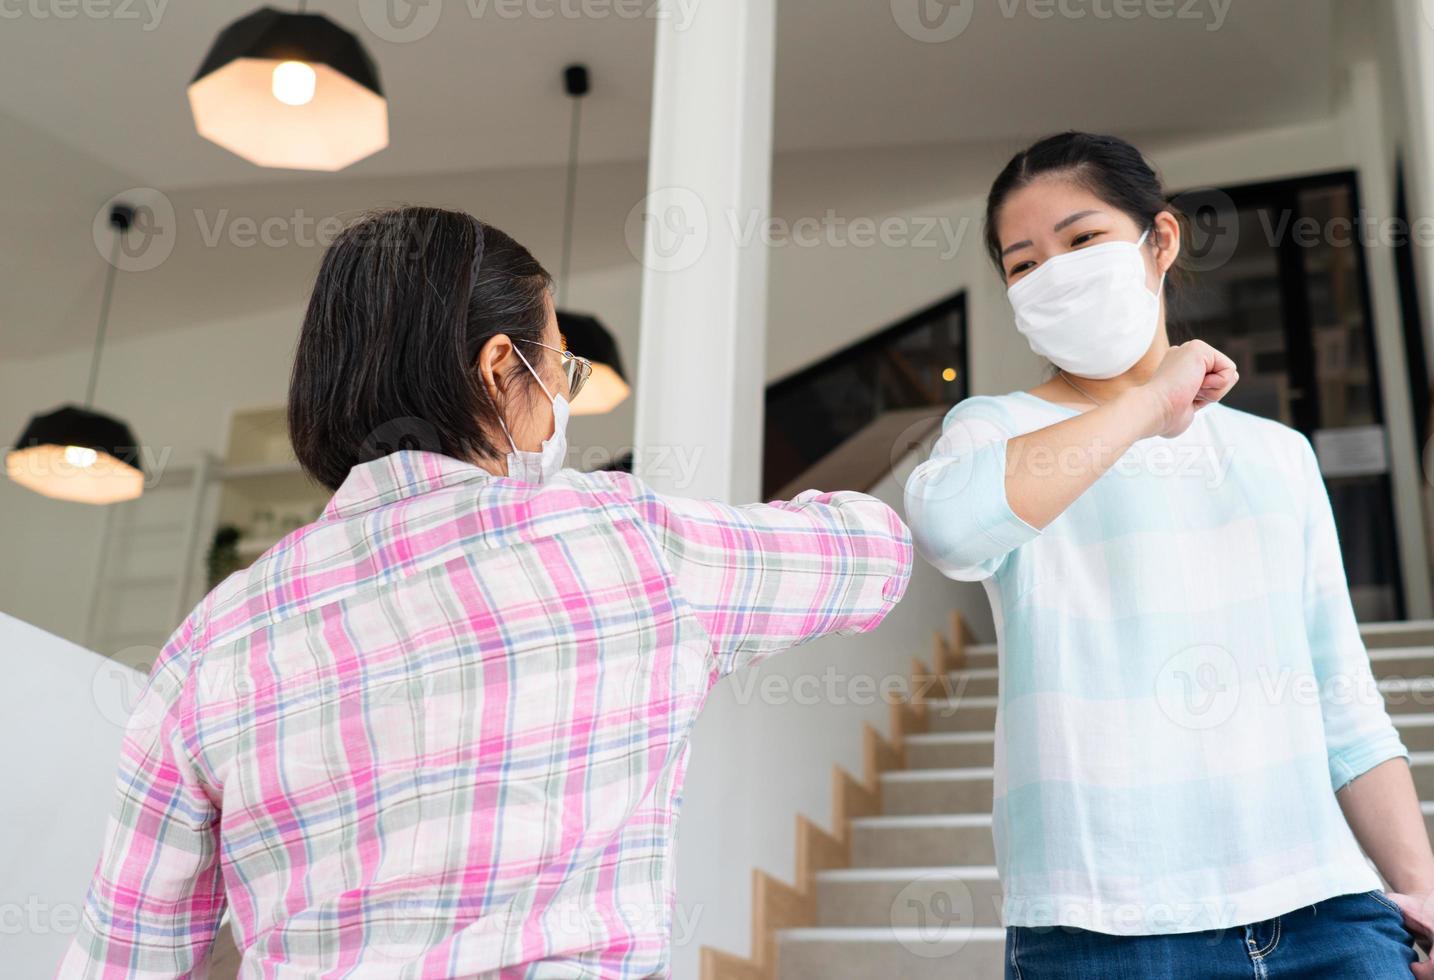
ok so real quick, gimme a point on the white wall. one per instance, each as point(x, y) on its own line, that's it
point(59, 789)
point(764, 747)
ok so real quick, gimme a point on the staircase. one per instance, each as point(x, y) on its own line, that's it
point(920, 899)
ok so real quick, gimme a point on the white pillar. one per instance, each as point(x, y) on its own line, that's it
point(1414, 36)
point(1365, 128)
point(701, 363)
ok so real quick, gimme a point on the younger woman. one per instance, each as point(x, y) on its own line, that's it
point(1190, 748)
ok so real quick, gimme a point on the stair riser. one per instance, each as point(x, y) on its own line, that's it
point(1407, 668)
point(1423, 781)
point(1401, 638)
point(955, 756)
point(921, 847)
point(1409, 702)
point(979, 659)
point(963, 685)
point(910, 798)
point(962, 718)
point(1415, 668)
point(1416, 738)
point(889, 960)
point(917, 903)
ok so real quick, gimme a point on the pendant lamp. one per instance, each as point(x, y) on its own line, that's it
point(290, 90)
point(585, 335)
point(75, 453)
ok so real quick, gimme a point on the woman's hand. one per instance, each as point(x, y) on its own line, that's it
point(1418, 911)
point(1192, 376)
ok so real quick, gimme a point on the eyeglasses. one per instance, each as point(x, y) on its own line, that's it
point(576, 369)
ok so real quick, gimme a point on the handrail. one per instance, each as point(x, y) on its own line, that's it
point(864, 460)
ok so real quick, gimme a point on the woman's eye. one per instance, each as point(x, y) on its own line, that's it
point(1086, 237)
point(1020, 269)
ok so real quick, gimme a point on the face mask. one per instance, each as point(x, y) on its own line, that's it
point(1089, 312)
point(542, 466)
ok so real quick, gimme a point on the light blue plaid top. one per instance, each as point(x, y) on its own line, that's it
point(1183, 687)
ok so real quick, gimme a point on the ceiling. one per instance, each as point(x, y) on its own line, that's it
point(92, 106)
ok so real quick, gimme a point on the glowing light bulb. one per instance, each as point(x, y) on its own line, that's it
point(81, 457)
point(948, 375)
point(294, 82)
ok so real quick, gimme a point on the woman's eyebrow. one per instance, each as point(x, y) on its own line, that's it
point(1063, 223)
point(1073, 219)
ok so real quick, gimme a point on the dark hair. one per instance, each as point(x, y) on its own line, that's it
point(1107, 166)
point(404, 301)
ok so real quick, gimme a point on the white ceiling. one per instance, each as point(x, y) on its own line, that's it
point(91, 106)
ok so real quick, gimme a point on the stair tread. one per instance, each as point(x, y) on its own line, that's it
point(1397, 683)
point(974, 700)
point(967, 738)
point(1398, 626)
point(1402, 653)
point(868, 934)
point(922, 820)
point(955, 871)
point(937, 775)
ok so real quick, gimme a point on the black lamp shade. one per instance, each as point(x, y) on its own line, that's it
point(77, 454)
point(335, 116)
point(585, 336)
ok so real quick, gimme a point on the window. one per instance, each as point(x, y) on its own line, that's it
point(916, 363)
point(1280, 286)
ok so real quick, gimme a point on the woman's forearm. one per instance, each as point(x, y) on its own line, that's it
point(1046, 470)
point(1382, 809)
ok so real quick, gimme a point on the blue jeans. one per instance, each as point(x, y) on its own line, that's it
point(1349, 937)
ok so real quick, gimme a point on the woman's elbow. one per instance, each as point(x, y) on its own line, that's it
point(942, 519)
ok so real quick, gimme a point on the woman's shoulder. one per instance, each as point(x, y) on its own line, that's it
point(1014, 412)
point(1236, 422)
point(1264, 441)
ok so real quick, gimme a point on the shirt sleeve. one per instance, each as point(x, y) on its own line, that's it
point(961, 520)
point(766, 577)
point(157, 897)
point(1358, 731)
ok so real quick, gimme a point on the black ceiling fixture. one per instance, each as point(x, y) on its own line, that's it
point(583, 333)
point(73, 452)
point(290, 90)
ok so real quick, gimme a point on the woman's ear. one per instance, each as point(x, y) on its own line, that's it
point(494, 353)
point(1167, 238)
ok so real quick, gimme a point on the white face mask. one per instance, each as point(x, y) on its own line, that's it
point(1089, 312)
point(539, 467)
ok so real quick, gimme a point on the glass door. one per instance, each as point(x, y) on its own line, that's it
point(1279, 284)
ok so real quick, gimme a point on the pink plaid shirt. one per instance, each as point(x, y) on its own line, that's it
point(442, 731)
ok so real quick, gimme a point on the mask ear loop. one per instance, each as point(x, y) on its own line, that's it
point(497, 411)
point(533, 373)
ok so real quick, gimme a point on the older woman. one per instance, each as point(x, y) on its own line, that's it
point(442, 730)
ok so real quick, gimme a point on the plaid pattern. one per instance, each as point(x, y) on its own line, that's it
point(442, 731)
point(1183, 687)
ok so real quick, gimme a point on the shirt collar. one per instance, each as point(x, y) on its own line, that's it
point(399, 475)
